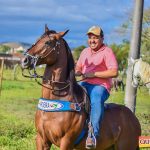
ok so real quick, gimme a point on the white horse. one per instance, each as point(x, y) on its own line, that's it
point(140, 73)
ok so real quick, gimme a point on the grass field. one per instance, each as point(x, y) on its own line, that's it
point(18, 103)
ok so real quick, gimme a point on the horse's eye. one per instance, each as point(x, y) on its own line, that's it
point(138, 78)
point(47, 42)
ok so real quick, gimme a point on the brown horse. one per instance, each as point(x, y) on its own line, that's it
point(120, 128)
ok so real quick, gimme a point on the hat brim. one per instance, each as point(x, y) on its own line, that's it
point(92, 33)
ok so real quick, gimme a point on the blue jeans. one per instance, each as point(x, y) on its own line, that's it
point(98, 95)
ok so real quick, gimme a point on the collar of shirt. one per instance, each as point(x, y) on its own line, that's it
point(101, 49)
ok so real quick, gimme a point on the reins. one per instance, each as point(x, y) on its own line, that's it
point(50, 84)
point(83, 78)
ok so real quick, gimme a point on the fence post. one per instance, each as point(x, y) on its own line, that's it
point(1, 74)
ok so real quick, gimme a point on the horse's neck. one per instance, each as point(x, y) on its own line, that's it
point(56, 73)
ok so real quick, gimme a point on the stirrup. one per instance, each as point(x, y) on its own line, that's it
point(91, 142)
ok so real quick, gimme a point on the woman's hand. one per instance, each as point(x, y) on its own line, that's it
point(86, 75)
point(78, 73)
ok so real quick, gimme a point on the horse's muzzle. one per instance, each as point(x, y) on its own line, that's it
point(135, 85)
point(27, 63)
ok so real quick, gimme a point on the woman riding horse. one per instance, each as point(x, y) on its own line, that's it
point(61, 115)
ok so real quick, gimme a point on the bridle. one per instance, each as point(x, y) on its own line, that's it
point(33, 73)
point(134, 76)
point(34, 60)
point(137, 77)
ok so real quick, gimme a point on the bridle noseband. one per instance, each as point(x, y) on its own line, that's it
point(34, 60)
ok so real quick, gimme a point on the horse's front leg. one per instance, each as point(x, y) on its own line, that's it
point(66, 144)
point(40, 144)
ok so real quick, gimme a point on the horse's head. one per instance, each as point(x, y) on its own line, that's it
point(44, 51)
point(136, 72)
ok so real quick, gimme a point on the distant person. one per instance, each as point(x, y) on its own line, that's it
point(97, 64)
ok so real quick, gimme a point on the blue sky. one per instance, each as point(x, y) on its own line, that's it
point(24, 20)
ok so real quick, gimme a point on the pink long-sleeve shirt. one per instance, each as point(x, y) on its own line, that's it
point(101, 60)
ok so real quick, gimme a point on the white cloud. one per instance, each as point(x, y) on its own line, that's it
point(31, 15)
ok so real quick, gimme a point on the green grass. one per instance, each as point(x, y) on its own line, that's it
point(18, 103)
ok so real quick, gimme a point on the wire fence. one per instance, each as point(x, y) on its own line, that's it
point(16, 73)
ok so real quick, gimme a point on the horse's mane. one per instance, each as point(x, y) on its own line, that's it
point(70, 59)
point(74, 87)
point(70, 67)
point(144, 71)
point(68, 51)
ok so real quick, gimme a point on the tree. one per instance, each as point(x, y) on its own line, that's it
point(145, 44)
point(77, 51)
point(146, 35)
point(121, 52)
point(146, 25)
point(4, 48)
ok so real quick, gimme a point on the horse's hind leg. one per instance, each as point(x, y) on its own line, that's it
point(123, 146)
point(111, 148)
point(138, 148)
point(123, 86)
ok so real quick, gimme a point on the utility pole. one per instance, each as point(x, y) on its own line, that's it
point(130, 94)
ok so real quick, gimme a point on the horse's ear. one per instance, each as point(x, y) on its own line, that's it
point(46, 28)
point(61, 34)
point(64, 33)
